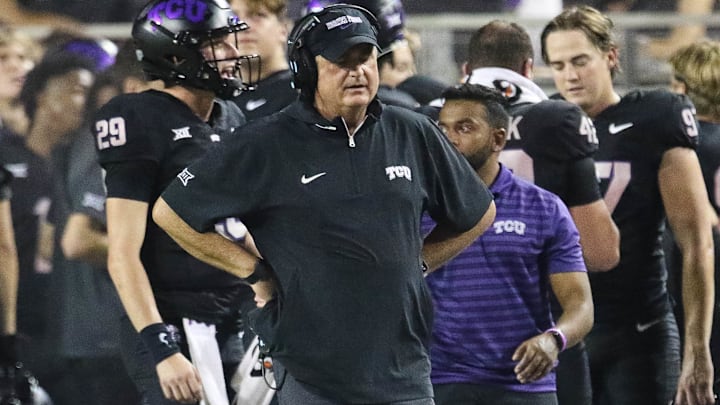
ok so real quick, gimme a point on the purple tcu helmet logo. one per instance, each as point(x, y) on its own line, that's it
point(191, 10)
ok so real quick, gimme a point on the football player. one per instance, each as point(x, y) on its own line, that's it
point(696, 73)
point(267, 37)
point(649, 170)
point(144, 140)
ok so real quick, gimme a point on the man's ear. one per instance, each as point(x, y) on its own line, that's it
point(528, 68)
point(500, 138)
point(613, 59)
point(464, 69)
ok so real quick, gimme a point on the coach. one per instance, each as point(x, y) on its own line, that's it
point(332, 188)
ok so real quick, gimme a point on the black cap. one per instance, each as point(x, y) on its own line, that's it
point(338, 29)
point(390, 15)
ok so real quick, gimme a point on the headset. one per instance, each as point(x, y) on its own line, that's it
point(302, 62)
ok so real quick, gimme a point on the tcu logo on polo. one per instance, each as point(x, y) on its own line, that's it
point(517, 227)
point(395, 172)
point(193, 10)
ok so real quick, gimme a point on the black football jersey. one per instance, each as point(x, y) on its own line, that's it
point(156, 127)
point(634, 134)
point(709, 154)
point(551, 143)
point(272, 94)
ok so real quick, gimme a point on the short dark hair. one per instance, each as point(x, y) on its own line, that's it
point(52, 65)
point(500, 44)
point(492, 99)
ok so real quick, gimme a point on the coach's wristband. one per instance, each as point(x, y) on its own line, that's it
point(161, 340)
point(560, 338)
point(262, 271)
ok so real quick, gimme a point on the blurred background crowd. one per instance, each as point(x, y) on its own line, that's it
point(650, 30)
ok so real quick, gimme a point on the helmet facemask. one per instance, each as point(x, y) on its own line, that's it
point(183, 63)
point(169, 36)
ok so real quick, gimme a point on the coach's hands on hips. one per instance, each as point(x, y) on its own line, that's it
point(536, 357)
point(179, 379)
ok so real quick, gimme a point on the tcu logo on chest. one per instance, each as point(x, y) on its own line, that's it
point(398, 172)
point(509, 226)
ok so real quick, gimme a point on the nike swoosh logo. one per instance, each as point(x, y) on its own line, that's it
point(642, 327)
point(307, 180)
point(614, 129)
point(255, 104)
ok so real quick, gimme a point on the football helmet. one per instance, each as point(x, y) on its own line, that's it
point(169, 35)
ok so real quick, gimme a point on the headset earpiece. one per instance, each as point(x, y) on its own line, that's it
point(302, 63)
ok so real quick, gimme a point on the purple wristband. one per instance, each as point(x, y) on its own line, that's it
point(559, 338)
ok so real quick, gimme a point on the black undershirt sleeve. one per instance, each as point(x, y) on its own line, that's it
point(583, 191)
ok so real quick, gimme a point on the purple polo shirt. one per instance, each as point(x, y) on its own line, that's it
point(496, 293)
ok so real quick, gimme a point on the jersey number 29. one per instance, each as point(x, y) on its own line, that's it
point(110, 132)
